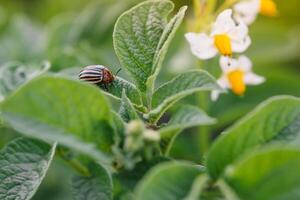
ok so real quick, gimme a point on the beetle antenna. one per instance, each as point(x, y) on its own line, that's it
point(118, 71)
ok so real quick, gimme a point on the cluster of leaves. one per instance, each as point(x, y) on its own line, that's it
point(124, 154)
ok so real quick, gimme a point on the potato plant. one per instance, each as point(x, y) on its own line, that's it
point(124, 153)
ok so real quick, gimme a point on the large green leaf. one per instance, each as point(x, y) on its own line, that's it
point(179, 87)
point(97, 186)
point(23, 165)
point(127, 111)
point(277, 119)
point(168, 181)
point(141, 36)
point(187, 116)
point(269, 174)
point(74, 114)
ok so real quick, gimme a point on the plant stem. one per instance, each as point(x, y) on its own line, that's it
point(75, 164)
point(203, 136)
point(225, 5)
point(211, 5)
point(228, 193)
point(203, 131)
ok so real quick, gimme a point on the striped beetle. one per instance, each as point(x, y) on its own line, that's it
point(96, 74)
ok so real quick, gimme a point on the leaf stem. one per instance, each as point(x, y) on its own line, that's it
point(227, 191)
point(75, 164)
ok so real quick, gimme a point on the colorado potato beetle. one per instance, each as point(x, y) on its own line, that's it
point(96, 74)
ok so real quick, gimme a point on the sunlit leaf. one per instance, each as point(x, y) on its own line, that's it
point(141, 37)
point(277, 119)
point(179, 87)
point(268, 174)
point(186, 117)
point(168, 181)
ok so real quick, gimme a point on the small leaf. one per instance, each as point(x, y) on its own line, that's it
point(23, 165)
point(186, 117)
point(97, 186)
point(141, 37)
point(164, 43)
point(127, 111)
point(118, 85)
point(75, 114)
point(119, 127)
point(268, 174)
point(168, 181)
point(179, 87)
point(277, 119)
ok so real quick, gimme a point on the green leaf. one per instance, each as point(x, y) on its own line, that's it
point(168, 181)
point(164, 44)
point(277, 119)
point(14, 74)
point(75, 114)
point(95, 21)
point(269, 174)
point(127, 111)
point(187, 116)
point(97, 186)
point(129, 178)
point(179, 87)
point(118, 85)
point(141, 36)
point(23, 165)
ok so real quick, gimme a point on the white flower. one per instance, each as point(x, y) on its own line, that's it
point(247, 10)
point(236, 76)
point(226, 36)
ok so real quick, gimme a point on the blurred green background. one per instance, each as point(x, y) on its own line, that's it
point(75, 33)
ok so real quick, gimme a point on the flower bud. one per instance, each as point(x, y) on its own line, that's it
point(151, 135)
point(135, 128)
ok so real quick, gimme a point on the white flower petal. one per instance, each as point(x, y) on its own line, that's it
point(223, 82)
point(239, 31)
point(228, 64)
point(247, 10)
point(246, 18)
point(253, 79)
point(240, 46)
point(244, 63)
point(214, 95)
point(202, 45)
point(224, 23)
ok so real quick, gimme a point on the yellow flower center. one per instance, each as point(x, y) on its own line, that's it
point(236, 80)
point(268, 8)
point(222, 42)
